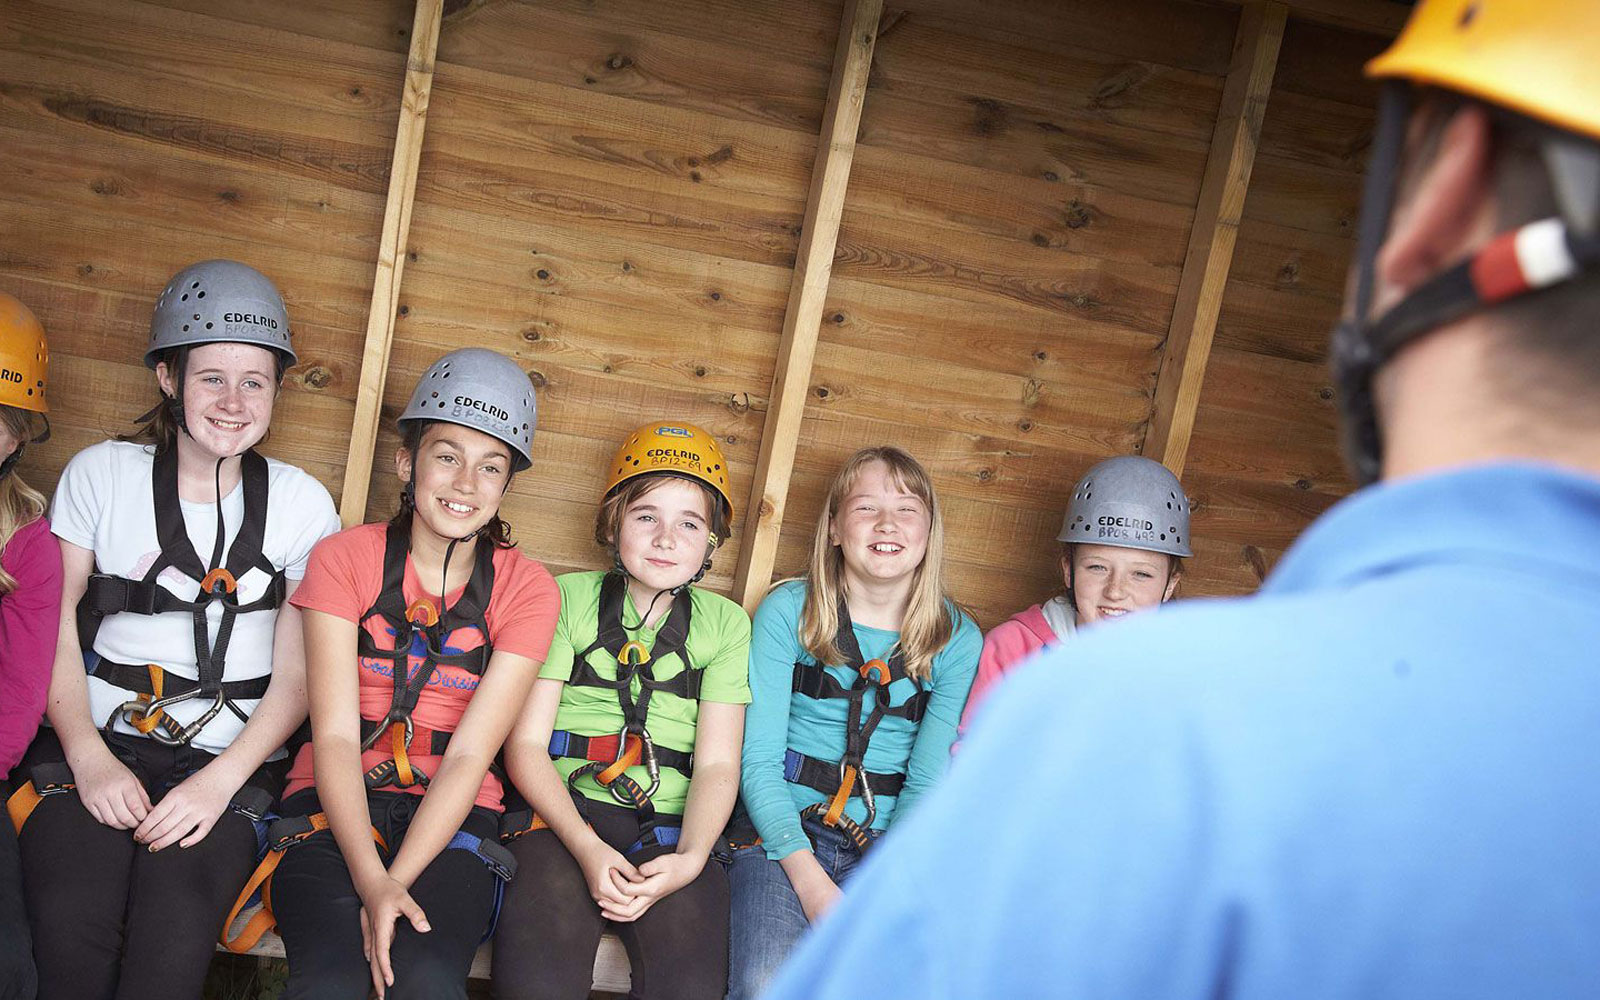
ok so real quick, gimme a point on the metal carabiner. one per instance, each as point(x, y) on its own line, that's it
point(647, 757)
point(868, 799)
point(383, 730)
point(189, 732)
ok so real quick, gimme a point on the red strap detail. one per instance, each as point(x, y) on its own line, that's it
point(1496, 272)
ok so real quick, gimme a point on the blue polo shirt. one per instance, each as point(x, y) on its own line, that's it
point(1378, 778)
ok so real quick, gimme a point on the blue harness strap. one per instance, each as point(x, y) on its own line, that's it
point(498, 860)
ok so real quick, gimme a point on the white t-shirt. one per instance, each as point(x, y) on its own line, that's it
point(104, 503)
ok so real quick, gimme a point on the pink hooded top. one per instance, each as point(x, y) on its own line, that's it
point(1007, 645)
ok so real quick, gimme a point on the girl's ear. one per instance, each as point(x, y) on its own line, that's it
point(1172, 586)
point(403, 463)
point(164, 380)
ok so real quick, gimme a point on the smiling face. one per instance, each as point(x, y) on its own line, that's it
point(881, 528)
point(461, 477)
point(1110, 581)
point(228, 392)
point(664, 537)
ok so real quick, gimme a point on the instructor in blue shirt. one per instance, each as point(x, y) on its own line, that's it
point(1380, 777)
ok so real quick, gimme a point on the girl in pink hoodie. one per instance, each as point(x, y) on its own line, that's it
point(1124, 539)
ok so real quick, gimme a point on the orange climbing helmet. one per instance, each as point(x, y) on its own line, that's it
point(24, 357)
point(675, 449)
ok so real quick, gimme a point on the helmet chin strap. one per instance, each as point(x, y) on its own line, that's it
point(1535, 256)
point(712, 542)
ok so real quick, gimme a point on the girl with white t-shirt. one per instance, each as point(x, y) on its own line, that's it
point(180, 675)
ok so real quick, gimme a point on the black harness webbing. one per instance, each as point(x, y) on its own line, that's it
point(218, 579)
point(634, 662)
point(814, 681)
point(421, 619)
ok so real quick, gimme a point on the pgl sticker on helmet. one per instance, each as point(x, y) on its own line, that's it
point(668, 431)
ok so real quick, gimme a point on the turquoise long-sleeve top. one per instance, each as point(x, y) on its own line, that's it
point(778, 720)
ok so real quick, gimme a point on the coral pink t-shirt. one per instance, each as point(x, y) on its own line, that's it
point(344, 578)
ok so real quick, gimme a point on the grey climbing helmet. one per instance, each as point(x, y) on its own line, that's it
point(219, 301)
point(481, 389)
point(1132, 502)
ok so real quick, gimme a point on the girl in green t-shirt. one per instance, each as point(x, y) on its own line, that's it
point(628, 749)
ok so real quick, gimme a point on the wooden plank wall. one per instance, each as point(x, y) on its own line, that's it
point(1265, 460)
point(1010, 252)
point(613, 192)
point(138, 137)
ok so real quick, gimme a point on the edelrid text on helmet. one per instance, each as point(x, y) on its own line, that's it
point(481, 389)
point(24, 357)
point(678, 449)
point(1132, 502)
point(219, 301)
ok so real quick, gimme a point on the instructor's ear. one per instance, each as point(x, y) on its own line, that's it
point(1435, 226)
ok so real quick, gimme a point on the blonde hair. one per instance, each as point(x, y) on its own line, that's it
point(20, 504)
point(929, 619)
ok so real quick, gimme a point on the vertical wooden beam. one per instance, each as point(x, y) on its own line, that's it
point(830, 176)
point(391, 260)
point(1216, 227)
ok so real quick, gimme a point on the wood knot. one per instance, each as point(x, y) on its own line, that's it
point(1289, 273)
point(984, 475)
point(317, 377)
point(531, 336)
point(542, 274)
point(823, 392)
point(405, 310)
point(838, 319)
point(1326, 392)
point(538, 379)
point(1256, 561)
point(990, 117)
point(617, 62)
point(1302, 484)
point(1024, 426)
point(1076, 214)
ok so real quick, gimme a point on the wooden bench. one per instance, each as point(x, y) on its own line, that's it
point(611, 973)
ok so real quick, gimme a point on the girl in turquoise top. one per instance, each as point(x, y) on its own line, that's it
point(858, 675)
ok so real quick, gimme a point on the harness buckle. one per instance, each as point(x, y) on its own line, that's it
point(633, 654)
point(216, 576)
point(877, 672)
point(422, 612)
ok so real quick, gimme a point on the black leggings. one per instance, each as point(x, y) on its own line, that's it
point(551, 926)
point(18, 980)
point(109, 918)
point(319, 912)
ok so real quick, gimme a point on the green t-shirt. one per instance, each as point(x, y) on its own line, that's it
point(719, 643)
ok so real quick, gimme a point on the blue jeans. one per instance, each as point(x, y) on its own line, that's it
point(766, 918)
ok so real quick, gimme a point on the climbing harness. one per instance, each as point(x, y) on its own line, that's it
point(218, 580)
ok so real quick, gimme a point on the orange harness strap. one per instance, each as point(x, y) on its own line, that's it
point(842, 796)
point(22, 803)
point(263, 920)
